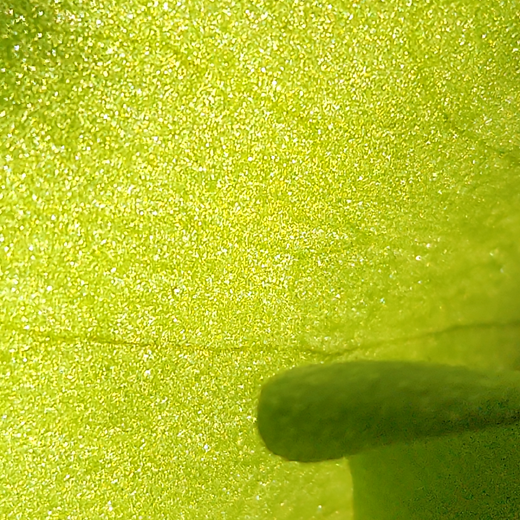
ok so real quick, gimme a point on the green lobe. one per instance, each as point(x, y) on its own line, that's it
point(321, 412)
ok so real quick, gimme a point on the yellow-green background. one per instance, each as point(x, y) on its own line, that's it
point(196, 195)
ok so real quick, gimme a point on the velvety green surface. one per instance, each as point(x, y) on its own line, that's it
point(197, 195)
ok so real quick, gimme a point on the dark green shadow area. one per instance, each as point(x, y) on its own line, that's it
point(470, 476)
point(424, 441)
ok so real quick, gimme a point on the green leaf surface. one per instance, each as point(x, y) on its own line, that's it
point(196, 195)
